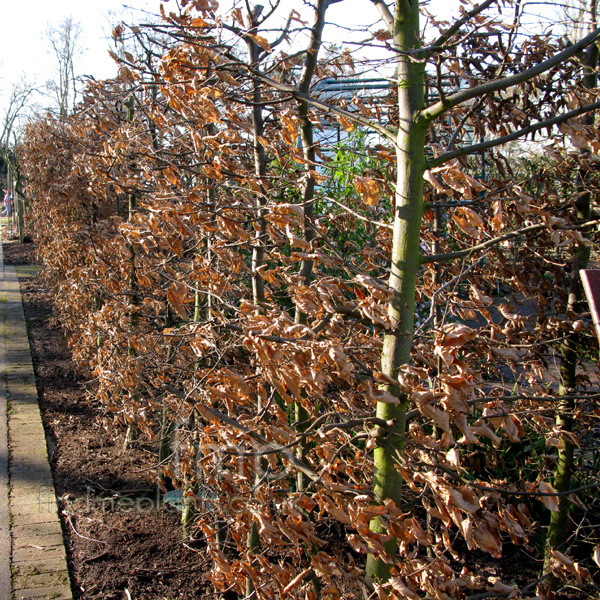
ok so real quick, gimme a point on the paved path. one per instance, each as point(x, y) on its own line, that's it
point(33, 549)
point(5, 587)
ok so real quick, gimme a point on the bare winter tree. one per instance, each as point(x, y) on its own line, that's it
point(19, 99)
point(9, 135)
point(65, 41)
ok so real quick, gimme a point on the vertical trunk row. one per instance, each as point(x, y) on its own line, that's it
point(132, 432)
point(260, 166)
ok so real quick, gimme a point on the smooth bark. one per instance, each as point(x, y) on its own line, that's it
point(258, 250)
point(410, 153)
point(569, 355)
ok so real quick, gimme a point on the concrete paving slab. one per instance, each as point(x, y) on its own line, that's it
point(33, 478)
point(33, 458)
point(32, 493)
point(33, 529)
point(42, 580)
point(5, 536)
point(33, 504)
point(34, 547)
point(44, 566)
point(60, 592)
point(25, 430)
point(35, 553)
point(24, 405)
point(32, 518)
point(37, 541)
point(28, 469)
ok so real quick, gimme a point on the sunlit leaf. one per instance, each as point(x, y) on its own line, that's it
point(469, 221)
point(260, 41)
point(179, 296)
point(368, 190)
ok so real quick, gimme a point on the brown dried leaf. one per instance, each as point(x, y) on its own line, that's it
point(382, 35)
point(508, 353)
point(171, 176)
point(260, 41)
point(485, 539)
point(345, 123)
point(498, 222)
point(505, 311)
point(402, 588)
point(576, 133)
point(481, 429)
point(596, 555)
point(440, 417)
point(513, 428)
point(550, 502)
point(379, 290)
point(382, 396)
point(295, 241)
point(178, 296)
point(506, 591)
point(469, 221)
point(513, 523)
point(468, 436)
point(368, 190)
point(561, 564)
point(457, 334)
point(431, 178)
point(289, 121)
point(294, 583)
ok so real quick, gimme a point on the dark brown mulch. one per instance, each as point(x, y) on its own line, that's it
point(120, 536)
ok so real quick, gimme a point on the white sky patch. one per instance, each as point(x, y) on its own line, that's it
point(25, 55)
point(25, 50)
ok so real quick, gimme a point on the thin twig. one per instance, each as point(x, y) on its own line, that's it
point(68, 519)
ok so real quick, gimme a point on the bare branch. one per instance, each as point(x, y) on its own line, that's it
point(520, 133)
point(487, 244)
point(440, 108)
point(497, 240)
point(328, 108)
point(386, 14)
point(455, 28)
point(358, 215)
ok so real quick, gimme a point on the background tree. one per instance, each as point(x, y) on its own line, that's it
point(11, 130)
point(66, 45)
point(19, 100)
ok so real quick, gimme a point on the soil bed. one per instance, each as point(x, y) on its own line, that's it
point(122, 541)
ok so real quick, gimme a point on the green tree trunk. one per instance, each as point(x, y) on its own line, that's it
point(19, 204)
point(410, 154)
point(559, 520)
point(190, 484)
point(132, 431)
